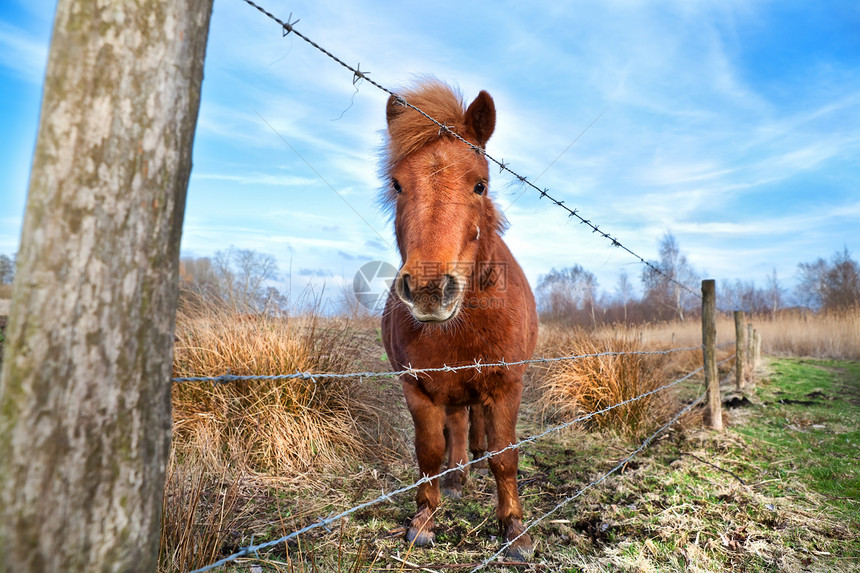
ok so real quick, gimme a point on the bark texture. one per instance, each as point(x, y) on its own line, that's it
point(85, 387)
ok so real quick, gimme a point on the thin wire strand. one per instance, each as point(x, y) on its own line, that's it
point(414, 372)
point(289, 28)
point(323, 522)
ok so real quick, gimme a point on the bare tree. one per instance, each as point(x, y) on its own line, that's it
point(625, 291)
point(7, 270)
point(236, 278)
point(664, 287)
point(773, 293)
point(841, 284)
point(810, 287)
point(85, 391)
point(833, 285)
point(567, 295)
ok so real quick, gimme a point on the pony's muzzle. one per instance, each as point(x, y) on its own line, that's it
point(430, 300)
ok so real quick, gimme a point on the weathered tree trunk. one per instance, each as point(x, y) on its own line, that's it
point(85, 390)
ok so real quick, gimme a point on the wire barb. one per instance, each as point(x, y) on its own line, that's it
point(358, 75)
point(288, 26)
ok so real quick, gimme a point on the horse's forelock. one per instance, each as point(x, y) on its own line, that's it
point(408, 130)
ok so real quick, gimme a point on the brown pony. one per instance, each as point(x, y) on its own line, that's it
point(460, 297)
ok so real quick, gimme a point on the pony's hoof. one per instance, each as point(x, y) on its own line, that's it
point(420, 538)
point(453, 492)
point(452, 486)
point(522, 549)
point(420, 532)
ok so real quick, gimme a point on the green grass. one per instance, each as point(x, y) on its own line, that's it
point(810, 416)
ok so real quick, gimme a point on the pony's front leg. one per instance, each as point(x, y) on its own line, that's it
point(477, 434)
point(429, 420)
point(456, 420)
point(501, 420)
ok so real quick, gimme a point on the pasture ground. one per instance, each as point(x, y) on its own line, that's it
point(779, 490)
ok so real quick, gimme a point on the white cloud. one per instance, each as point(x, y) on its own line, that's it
point(23, 53)
point(254, 178)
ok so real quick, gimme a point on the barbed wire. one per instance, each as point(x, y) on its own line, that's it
point(358, 74)
point(414, 372)
point(324, 522)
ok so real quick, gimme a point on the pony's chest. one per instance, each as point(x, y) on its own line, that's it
point(454, 388)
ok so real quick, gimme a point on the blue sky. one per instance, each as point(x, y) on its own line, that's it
point(734, 125)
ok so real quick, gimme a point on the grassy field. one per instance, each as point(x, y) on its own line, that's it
point(779, 490)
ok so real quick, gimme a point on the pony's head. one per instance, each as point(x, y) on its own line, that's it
point(438, 190)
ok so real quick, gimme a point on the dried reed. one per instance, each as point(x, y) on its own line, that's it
point(264, 427)
point(589, 384)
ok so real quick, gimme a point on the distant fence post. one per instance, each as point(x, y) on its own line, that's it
point(740, 349)
point(749, 344)
point(756, 348)
point(709, 353)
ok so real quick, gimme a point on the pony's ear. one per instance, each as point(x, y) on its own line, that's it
point(481, 117)
point(393, 109)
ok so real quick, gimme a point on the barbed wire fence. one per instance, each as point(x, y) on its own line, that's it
point(288, 27)
point(383, 497)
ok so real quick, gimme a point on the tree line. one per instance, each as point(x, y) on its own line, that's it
point(572, 295)
point(242, 279)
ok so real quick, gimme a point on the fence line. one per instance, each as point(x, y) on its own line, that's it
point(289, 28)
point(414, 372)
point(324, 522)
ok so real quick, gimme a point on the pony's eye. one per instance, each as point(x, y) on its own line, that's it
point(396, 184)
point(480, 187)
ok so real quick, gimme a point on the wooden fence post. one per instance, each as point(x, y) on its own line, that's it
point(749, 357)
point(740, 349)
point(709, 353)
point(756, 348)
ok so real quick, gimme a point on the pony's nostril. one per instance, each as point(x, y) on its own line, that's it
point(449, 290)
point(405, 292)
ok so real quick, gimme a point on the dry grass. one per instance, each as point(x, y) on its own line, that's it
point(267, 427)
point(580, 386)
point(795, 333)
point(235, 443)
point(200, 514)
point(790, 333)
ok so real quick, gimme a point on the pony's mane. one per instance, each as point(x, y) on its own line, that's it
point(409, 131)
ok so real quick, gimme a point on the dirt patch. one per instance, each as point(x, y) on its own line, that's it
point(848, 384)
point(737, 402)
